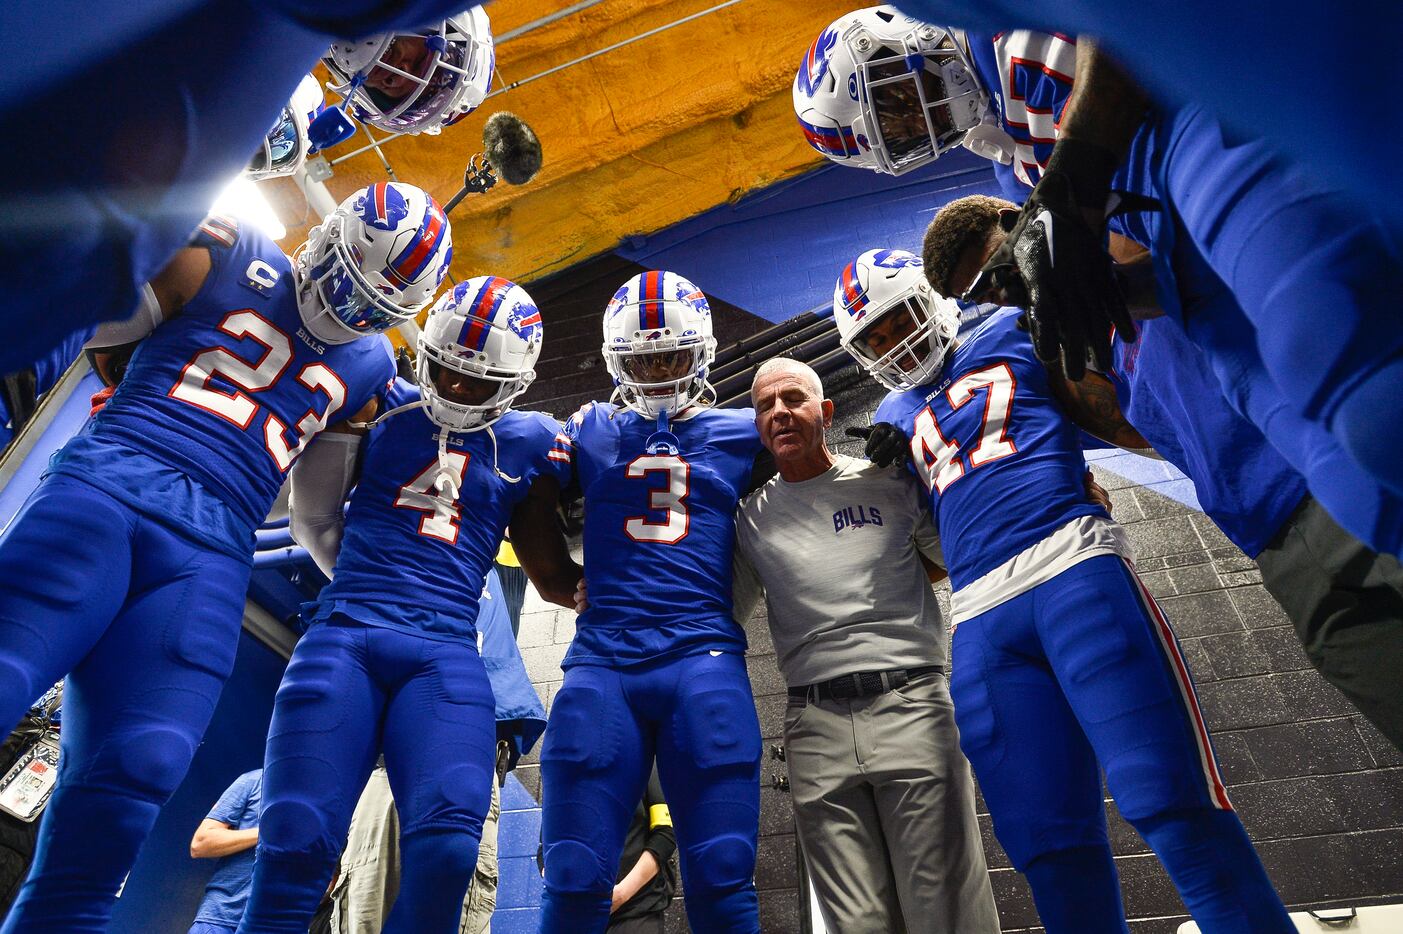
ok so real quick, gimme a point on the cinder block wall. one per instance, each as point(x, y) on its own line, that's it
point(1319, 790)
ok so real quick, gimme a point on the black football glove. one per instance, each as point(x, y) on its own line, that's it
point(1055, 265)
point(886, 445)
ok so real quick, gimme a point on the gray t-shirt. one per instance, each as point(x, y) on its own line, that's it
point(836, 556)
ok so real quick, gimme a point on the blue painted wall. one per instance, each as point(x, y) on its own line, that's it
point(777, 252)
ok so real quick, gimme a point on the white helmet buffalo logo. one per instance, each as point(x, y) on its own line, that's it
point(815, 64)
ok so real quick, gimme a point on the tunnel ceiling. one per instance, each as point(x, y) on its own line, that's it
point(635, 139)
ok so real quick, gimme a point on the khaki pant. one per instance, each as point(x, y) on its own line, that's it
point(369, 880)
point(884, 808)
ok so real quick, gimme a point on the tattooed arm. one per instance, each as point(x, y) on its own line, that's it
point(1092, 405)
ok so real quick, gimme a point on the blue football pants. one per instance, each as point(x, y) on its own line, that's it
point(1079, 674)
point(145, 623)
point(695, 714)
point(350, 692)
point(1312, 272)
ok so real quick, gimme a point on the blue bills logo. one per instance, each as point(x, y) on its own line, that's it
point(525, 320)
point(855, 517)
point(895, 259)
point(616, 304)
point(696, 299)
point(815, 65)
point(382, 206)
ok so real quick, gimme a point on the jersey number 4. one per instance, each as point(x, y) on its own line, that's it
point(236, 407)
point(670, 498)
point(937, 458)
point(441, 515)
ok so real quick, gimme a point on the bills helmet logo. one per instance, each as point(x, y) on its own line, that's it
point(382, 206)
point(814, 68)
point(616, 304)
point(895, 259)
point(698, 301)
point(525, 320)
point(854, 295)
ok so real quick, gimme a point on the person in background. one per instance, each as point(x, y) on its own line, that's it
point(513, 581)
point(229, 834)
point(647, 879)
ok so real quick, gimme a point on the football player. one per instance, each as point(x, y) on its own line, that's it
point(1345, 599)
point(390, 660)
point(286, 146)
point(189, 91)
point(1064, 664)
point(657, 666)
point(1224, 43)
point(1060, 116)
point(127, 567)
point(416, 81)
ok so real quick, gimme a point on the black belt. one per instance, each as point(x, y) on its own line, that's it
point(860, 684)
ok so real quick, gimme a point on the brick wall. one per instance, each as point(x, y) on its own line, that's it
point(1319, 790)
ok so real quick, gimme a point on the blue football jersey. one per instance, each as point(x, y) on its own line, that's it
point(1001, 461)
point(659, 532)
point(1237, 59)
point(1029, 76)
point(228, 392)
point(413, 559)
point(1169, 392)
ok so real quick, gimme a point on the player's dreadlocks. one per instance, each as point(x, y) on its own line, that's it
point(963, 223)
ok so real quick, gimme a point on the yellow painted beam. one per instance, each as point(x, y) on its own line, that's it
point(635, 140)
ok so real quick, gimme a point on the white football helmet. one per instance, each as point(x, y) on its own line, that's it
point(658, 343)
point(883, 91)
point(890, 319)
point(487, 329)
point(286, 147)
point(416, 81)
point(373, 263)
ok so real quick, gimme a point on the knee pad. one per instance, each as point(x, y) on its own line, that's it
point(573, 868)
point(294, 829)
point(150, 762)
point(440, 852)
point(456, 799)
point(723, 862)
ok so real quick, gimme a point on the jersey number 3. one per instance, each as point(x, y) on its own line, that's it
point(194, 385)
point(670, 498)
point(938, 459)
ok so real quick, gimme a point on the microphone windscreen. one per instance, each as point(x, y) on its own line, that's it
point(512, 147)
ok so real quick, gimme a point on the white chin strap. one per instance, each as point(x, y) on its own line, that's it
point(445, 482)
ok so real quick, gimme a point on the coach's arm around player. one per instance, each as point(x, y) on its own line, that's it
point(887, 825)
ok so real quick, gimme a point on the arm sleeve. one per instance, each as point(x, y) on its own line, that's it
point(321, 478)
point(661, 840)
point(926, 537)
point(232, 803)
point(147, 317)
point(746, 589)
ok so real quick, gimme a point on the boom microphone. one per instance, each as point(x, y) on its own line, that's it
point(511, 150)
point(511, 147)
